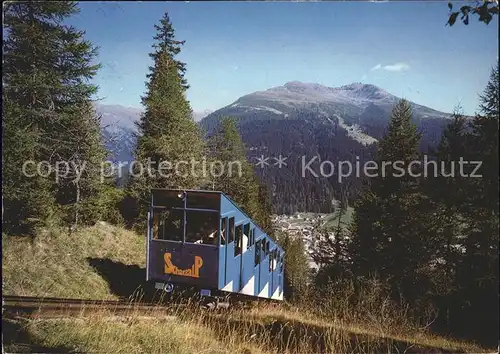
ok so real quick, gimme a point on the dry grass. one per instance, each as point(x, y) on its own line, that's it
point(348, 336)
point(182, 331)
point(127, 335)
point(55, 264)
point(263, 329)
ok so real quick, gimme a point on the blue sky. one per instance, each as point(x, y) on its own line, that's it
point(233, 49)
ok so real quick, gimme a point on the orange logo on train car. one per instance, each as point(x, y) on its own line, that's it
point(193, 272)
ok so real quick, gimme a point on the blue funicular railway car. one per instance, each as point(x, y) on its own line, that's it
point(204, 240)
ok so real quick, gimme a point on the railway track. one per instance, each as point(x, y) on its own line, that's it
point(40, 306)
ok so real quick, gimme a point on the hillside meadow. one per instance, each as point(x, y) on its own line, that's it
point(108, 262)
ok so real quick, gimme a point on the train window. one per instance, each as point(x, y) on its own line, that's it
point(168, 198)
point(245, 241)
point(202, 227)
point(257, 252)
point(252, 236)
point(168, 225)
point(200, 200)
point(231, 230)
point(156, 226)
point(275, 258)
point(238, 240)
point(271, 261)
point(223, 232)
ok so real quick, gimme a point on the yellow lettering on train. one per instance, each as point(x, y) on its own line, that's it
point(193, 272)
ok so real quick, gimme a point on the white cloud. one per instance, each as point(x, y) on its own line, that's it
point(392, 67)
point(397, 67)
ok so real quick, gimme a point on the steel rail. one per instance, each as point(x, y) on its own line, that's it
point(41, 306)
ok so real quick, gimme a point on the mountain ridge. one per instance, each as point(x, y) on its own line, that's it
point(297, 120)
point(302, 120)
point(297, 93)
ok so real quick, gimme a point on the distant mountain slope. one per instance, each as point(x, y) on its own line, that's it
point(197, 116)
point(302, 120)
point(118, 127)
point(297, 120)
point(363, 107)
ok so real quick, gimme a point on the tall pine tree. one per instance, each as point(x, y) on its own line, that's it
point(390, 238)
point(331, 243)
point(166, 43)
point(48, 117)
point(477, 274)
point(297, 268)
point(238, 179)
point(447, 190)
point(170, 147)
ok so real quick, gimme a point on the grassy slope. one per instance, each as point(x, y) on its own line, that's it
point(56, 264)
point(105, 262)
point(100, 334)
point(265, 329)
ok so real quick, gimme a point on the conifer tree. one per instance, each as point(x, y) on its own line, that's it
point(477, 274)
point(166, 43)
point(297, 269)
point(330, 250)
point(238, 179)
point(227, 149)
point(170, 148)
point(483, 142)
point(265, 209)
point(390, 238)
point(48, 115)
point(81, 192)
point(447, 191)
point(465, 221)
point(448, 188)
